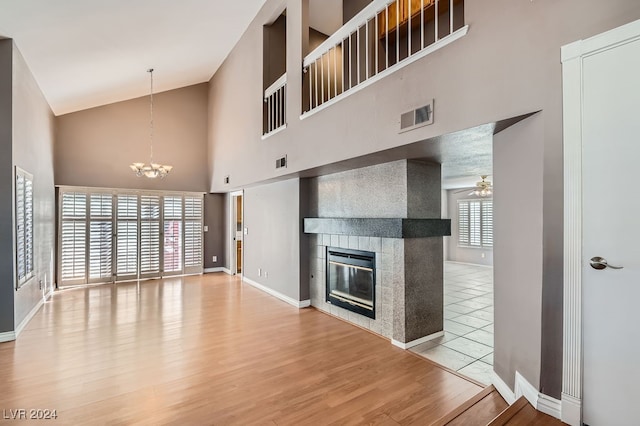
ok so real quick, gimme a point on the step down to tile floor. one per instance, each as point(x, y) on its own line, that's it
point(521, 413)
point(488, 408)
point(477, 411)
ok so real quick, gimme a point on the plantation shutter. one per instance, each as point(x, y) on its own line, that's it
point(463, 223)
point(101, 237)
point(24, 226)
point(127, 236)
point(475, 223)
point(487, 223)
point(149, 235)
point(193, 234)
point(172, 256)
point(73, 235)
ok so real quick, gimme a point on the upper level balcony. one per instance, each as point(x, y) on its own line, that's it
point(381, 38)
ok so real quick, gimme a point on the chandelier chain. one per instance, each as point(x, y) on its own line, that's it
point(151, 119)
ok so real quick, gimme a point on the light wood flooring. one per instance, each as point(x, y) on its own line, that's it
point(210, 350)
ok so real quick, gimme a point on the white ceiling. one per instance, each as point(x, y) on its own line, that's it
point(85, 53)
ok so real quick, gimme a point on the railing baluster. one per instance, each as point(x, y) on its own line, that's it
point(409, 3)
point(435, 20)
point(421, 24)
point(316, 72)
point(366, 50)
point(450, 16)
point(350, 62)
point(310, 88)
point(344, 69)
point(386, 37)
point(376, 40)
point(322, 78)
point(270, 126)
point(335, 71)
point(397, 31)
point(358, 53)
point(284, 105)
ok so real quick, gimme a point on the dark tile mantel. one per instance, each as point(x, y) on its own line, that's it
point(382, 227)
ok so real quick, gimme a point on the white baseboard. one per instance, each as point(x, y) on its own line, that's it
point(571, 410)
point(32, 313)
point(503, 389)
point(416, 342)
point(549, 405)
point(274, 293)
point(538, 400)
point(212, 270)
point(526, 389)
point(8, 336)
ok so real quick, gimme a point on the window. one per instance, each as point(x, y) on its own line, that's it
point(24, 226)
point(118, 235)
point(475, 223)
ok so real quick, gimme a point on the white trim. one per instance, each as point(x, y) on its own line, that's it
point(571, 410)
point(503, 389)
point(382, 74)
point(572, 224)
point(31, 314)
point(274, 132)
point(8, 336)
point(470, 264)
point(549, 405)
point(416, 342)
point(293, 302)
point(572, 56)
point(279, 83)
point(526, 389)
point(213, 270)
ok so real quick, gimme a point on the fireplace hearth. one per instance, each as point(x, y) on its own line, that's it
point(351, 280)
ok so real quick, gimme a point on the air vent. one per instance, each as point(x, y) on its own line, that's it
point(281, 162)
point(226, 180)
point(417, 118)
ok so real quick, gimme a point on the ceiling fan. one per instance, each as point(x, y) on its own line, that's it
point(483, 188)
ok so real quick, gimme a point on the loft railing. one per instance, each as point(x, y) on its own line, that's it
point(275, 106)
point(382, 37)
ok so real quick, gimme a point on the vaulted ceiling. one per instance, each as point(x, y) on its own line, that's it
point(88, 53)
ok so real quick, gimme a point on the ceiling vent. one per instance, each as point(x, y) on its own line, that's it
point(419, 117)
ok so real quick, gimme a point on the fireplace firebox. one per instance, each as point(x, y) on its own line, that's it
point(351, 280)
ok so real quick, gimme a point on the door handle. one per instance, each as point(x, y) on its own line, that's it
point(600, 263)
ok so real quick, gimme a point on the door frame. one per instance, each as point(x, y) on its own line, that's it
point(233, 267)
point(572, 79)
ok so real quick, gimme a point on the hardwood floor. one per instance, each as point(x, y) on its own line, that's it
point(210, 350)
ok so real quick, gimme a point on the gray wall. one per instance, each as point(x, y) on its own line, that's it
point(274, 51)
point(463, 254)
point(7, 322)
point(94, 147)
point(272, 216)
point(518, 250)
point(214, 239)
point(33, 142)
point(350, 8)
point(508, 64)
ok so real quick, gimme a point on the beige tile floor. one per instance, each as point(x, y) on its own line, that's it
point(467, 344)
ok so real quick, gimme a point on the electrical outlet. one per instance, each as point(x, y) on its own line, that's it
point(259, 272)
point(246, 231)
point(483, 255)
point(206, 228)
point(214, 258)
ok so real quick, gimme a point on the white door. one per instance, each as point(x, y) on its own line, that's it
point(611, 230)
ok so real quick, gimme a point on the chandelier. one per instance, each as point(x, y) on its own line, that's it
point(151, 170)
